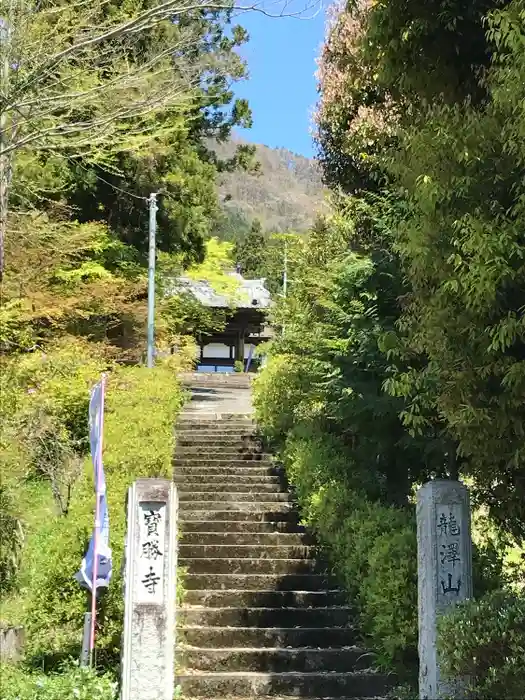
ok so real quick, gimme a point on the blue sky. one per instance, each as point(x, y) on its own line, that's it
point(281, 88)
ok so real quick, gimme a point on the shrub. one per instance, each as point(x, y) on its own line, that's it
point(70, 684)
point(141, 408)
point(285, 393)
point(56, 382)
point(44, 426)
point(484, 640)
point(372, 547)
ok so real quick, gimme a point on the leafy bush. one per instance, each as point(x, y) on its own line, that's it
point(56, 382)
point(321, 401)
point(285, 393)
point(141, 408)
point(484, 640)
point(70, 684)
point(44, 426)
point(372, 547)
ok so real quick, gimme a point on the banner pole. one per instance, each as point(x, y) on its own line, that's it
point(97, 526)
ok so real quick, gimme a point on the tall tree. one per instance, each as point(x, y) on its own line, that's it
point(250, 251)
point(461, 168)
point(92, 80)
point(420, 121)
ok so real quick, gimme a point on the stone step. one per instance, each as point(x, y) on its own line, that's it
point(250, 538)
point(225, 565)
point(243, 551)
point(209, 428)
point(235, 637)
point(267, 617)
point(219, 526)
point(243, 427)
point(207, 435)
point(226, 467)
point(276, 660)
point(257, 582)
point(250, 513)
point(249, 442)
point(362, 684)
point(214, 448)
point(216, 498)
point(265, 599)
point(202, 424)
point(222, 379)
point(252, 510)
point(228, 429)
point(290, 697)
point(219, 482)
point(226, 487)
point(203, 456)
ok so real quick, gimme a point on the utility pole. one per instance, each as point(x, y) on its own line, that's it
point(151, 278)
point(285, 275)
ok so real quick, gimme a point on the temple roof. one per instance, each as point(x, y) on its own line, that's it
point(252, 294)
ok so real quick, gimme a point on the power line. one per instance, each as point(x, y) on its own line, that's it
point(110, 184)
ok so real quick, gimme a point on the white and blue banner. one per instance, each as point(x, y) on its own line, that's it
point(98, 549)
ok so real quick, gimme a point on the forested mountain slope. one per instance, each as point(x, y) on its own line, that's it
point(285, 194)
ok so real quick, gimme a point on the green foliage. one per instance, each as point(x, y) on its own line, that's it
point(250, 250)
point(432, 151)
point(232, 225)
point(321, 400)
point(372, 547)
point(66, 278)
point(429, 50)
point(11, 541)
point(460, 240)
point(184, 315)
point(280, 248)
point(44, 431)
point(484, 640)
point(76, 243)
point(176, 162)
point(141, 408)
point(69, 683)
point(56, 382)
point(339, 307)
point(421, 122)
point(217, 262)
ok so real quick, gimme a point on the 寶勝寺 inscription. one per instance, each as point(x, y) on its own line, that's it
point(151, 548)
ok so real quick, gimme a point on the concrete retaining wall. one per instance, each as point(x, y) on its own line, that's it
point(235, 380)
point(11, 643)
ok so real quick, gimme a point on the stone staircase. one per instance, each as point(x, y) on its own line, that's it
point(261, 617)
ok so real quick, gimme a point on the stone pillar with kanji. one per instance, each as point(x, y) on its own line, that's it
point(148, 668)
point(444, 574)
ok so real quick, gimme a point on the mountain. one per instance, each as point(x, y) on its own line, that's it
point(285, 195)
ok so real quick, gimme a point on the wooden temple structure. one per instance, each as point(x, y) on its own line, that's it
point(245, 329)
